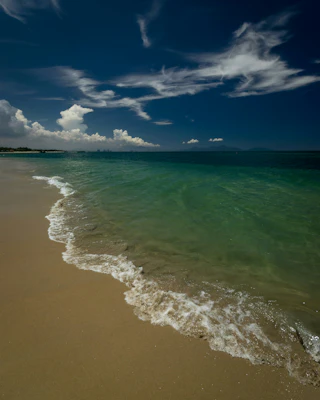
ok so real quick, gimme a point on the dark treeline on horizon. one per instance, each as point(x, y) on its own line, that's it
point(12, 149)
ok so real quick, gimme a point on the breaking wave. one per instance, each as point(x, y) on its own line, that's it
point(232, 322)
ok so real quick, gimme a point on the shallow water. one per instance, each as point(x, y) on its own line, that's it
point(229, 244)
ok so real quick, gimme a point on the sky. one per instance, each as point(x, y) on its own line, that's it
point(160, 75)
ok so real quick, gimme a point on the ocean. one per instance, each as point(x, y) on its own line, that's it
point(222, 246)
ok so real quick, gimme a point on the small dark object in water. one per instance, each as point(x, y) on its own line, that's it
point(300, 339)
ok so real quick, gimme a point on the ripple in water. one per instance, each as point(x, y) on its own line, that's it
point(230, 320)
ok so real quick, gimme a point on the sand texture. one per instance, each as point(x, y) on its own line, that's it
point(68, 334)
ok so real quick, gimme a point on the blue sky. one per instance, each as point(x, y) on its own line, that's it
point(155, 75)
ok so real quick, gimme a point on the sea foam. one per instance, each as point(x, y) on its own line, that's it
point(230, 323)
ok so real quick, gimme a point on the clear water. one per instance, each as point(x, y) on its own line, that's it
point(236, 236)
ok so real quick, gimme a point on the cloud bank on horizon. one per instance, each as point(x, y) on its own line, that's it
point(251, 64)
point(14, 125)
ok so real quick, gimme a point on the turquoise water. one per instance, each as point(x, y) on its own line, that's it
point(231, 241)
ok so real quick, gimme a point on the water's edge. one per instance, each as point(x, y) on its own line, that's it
point(231, 325)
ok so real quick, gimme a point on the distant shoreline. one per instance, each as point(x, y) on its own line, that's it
point(192, 150)
point(32, 152)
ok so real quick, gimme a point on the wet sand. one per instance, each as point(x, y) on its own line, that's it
point(68, 334)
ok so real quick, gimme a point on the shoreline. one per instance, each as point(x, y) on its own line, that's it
point(68, 333)
point(33, 152)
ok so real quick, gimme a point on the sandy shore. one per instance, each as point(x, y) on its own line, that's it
point(68, 334)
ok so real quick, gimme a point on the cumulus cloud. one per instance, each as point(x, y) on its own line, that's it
point(164, 122)
point(14, 125)
point(73, 118)
point(217, 139)
point(249, 61)
point(146, 19)
point(12, 121)
point(21, 9)
point(122, 137)
point(191, 141)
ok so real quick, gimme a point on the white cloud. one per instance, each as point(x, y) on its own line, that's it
point(73, 118)
point(20, 9)
point(14, 125)
point(12, 121)
point(191, 141)
point(317, 61)
point(248, 60)
point(172, 82)
point(69, 77)
point(88, 88)
point(146, 19)
point(250, 66)
point(164, 122)
point(122, 137)
point(217, 139)
point(50, 98)
point(143, 30)
point(75, 136)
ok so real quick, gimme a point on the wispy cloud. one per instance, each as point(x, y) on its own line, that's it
point(317, 61)
point(191, 141)
point(189, 118)
point(165, 122)
point(249, 65)
point(88, 88)
point(217, 139)
point(50, 98)
point(249, 60)
point(171, 82)
point(144, 21)
point(13, 125)
point(21, 9)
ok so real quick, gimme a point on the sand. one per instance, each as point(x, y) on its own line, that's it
point(68, 334)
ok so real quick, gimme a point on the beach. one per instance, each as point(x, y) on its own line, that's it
point(68, 333)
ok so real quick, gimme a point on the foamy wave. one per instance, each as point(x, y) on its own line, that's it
point(58, 230)
point(196, 317)
point(310, 342)
point(64, 187)
point(229, 323)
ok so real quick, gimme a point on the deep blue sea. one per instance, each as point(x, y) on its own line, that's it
point(221, 246)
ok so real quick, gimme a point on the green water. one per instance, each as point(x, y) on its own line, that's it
point(247, 221)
